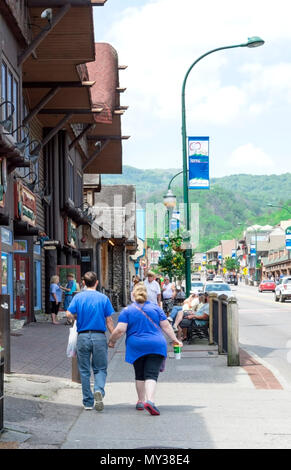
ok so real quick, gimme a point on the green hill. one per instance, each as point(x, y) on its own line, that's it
point(231, 200)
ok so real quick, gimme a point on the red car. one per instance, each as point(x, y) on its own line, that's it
point(267, 285)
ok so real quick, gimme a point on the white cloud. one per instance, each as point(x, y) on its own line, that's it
point(250, 159)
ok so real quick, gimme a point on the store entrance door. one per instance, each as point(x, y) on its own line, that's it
point(21, 286)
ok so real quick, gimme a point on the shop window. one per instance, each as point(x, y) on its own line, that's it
point(6, 236)
point(20, 246)
point(9, 92)
point(37, 249)
point(7, 277)
point(79, 196)
point(37, 285)
point(71, 180)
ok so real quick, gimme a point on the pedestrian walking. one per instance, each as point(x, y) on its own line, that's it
point(136, 280)
point(70, 288)
point(92, 311)
point(168, 294)
point(146, 348)
point(153, 288)
point(56, 296)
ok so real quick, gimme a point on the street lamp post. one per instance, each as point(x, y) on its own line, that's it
point(281, 207)
point(252, 42)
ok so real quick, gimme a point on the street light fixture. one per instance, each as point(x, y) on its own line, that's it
point(281, 207)
point(169, 199)
point(252, 42)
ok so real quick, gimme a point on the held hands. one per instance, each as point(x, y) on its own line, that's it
point(111, 344)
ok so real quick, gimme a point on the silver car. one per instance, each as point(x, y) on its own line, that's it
point(218, 288)
point(283, 290)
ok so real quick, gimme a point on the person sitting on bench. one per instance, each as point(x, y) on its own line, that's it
point(199, 318)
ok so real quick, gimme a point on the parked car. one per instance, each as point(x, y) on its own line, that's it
point(196, 277)
point(283, 290)
point(218, 279)
point(197, 285)
point(267, 286)
point(210, 277)
point(232, 279)
point(218, 288)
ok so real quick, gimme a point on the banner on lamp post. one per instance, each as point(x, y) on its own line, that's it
point(253, 251)
point(198, 154)
point(233, 254)
point(288, 238)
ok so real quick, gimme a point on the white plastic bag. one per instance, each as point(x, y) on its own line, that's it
point(72, 342)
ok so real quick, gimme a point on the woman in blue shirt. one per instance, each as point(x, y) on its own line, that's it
point(55, 298)
point(146, 347)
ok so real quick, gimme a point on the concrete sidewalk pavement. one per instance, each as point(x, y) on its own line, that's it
point(203, 403)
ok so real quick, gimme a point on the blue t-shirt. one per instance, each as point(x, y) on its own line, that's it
point(142, 337)
point(200, 312)
point(55, 289)
point(72, 285)
point(91, 308)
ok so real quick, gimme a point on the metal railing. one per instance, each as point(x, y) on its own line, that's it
point(224, 326)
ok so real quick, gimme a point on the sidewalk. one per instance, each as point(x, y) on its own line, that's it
point(203, 403)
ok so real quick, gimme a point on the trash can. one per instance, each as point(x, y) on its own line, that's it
point(1, 388)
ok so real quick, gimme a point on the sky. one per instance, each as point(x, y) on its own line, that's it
point(240, 98)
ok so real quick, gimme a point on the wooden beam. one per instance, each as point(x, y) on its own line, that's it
point(40, 105)
point(94, 154)
point(120, 90)
point(58, 84)
point(84, 132)
point(43, 33)
point(52, 133)
point(59, 3)
point(70, 111)
point(111, 137)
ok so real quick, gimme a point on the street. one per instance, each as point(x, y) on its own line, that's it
point(265, 328)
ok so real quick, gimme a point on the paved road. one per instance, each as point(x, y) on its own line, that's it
point(265, 328)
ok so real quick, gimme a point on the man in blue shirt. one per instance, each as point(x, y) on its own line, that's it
point(92, 311)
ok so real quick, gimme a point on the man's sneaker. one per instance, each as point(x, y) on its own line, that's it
point(151, 408)
point(170, 319)
point(99, 406)
point(88, 407)
point(139, 406)
point(175, 329)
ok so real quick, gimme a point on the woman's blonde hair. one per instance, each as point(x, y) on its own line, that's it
point(55, 279)
point(140, 293)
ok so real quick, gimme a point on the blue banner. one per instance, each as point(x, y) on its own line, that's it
point(288, 238)
point(198, 154)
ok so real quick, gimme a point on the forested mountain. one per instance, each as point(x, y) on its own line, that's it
point(230, 202)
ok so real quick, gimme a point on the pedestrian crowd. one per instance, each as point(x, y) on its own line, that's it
point(158, 307)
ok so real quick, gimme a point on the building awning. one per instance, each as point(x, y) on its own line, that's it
point(105, 139)
point(104, 72)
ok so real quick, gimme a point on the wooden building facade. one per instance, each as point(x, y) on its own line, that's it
point(56, 124)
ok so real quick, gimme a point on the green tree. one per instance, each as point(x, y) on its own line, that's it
point(231, 264)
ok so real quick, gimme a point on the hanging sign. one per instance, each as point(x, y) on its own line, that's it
point(70, 233)
point(24, 204)
point(198, 154)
